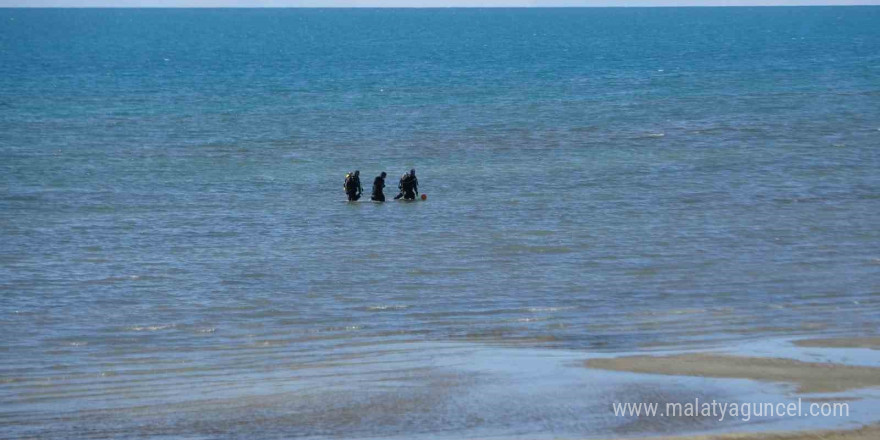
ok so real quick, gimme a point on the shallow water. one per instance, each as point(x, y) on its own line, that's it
point(173, 225)
point(408, 390)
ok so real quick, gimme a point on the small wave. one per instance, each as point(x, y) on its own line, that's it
point(523, 249)
point(674, 312)
point(529, 319)
point(418, 271)
point(548, 309)
point(206, 330)
point(335, 329)
point(150, 328)
point(686, 311)
point(91, 260)
point(644, 135)
point(267, 343)
point(387, 307)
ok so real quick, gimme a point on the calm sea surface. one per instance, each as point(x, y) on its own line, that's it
point(177, 259)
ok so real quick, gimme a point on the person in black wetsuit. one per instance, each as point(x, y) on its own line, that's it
point(378, 186)
point(353, 186)
point(409, 186)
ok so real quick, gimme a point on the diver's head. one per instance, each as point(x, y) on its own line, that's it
point(383, 174)
point(357, 172)
point(412, 172)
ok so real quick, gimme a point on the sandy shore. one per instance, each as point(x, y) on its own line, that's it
point(809, 377)
point(870, 432)
point(872, 343)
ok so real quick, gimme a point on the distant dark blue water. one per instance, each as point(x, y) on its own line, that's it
point(172, 213)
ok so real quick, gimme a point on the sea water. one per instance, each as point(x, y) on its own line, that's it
point(177, 257)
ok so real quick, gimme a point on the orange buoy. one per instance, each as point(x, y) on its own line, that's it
point(424, 197)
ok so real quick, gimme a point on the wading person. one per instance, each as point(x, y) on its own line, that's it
point(352, 186)
point(409, 186)
point(378, 187)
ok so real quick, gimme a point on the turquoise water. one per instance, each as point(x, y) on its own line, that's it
point(174, 229)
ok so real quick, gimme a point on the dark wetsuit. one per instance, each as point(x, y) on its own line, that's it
point(378, 185)
point(354, 189)
point(409, 186)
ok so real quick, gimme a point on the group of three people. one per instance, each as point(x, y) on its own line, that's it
point(408, 186)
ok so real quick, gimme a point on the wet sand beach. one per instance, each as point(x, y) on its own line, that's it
point(809, 377)
point(869, 342)
point(820, 381)
point(869, 432)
